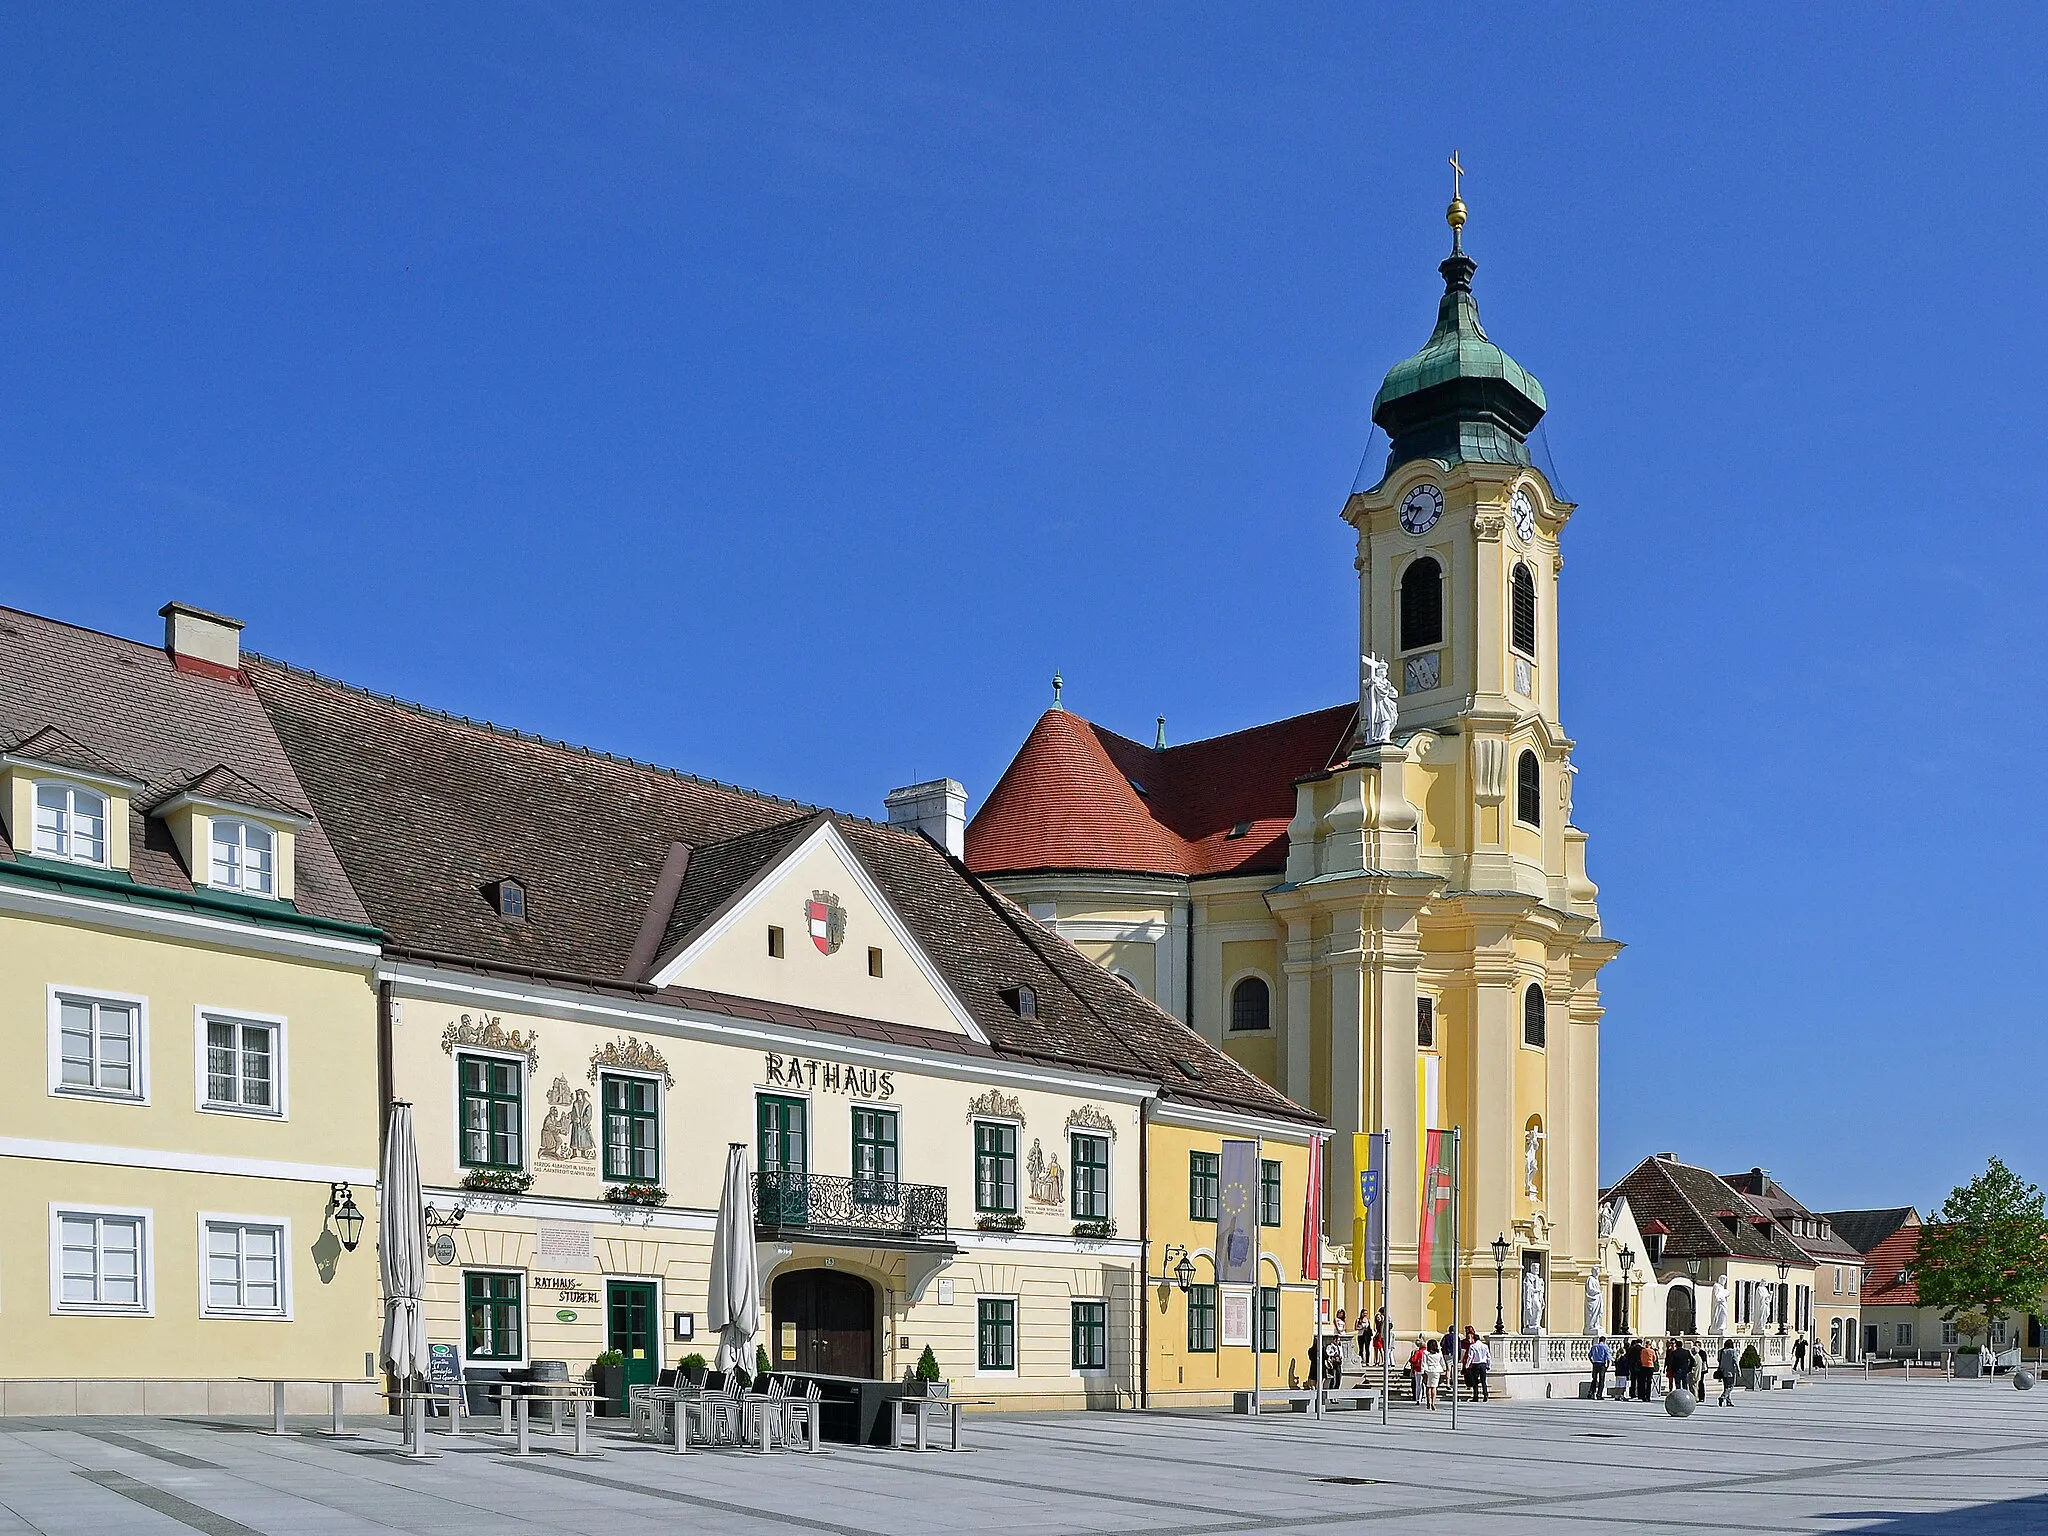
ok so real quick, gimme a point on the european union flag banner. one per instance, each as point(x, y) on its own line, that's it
point(1369, 1206)
point(1237, 1214)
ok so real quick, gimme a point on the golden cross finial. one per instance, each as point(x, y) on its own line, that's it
point(1455, 214)
point(1457, 176)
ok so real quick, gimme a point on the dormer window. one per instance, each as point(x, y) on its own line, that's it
point(1025, 1001)
point(71, 823)
point(243, 857)
point(511, 900)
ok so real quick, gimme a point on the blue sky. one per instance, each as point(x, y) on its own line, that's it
point(784, 393)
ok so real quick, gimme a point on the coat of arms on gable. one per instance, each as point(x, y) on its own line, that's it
point(827, 920)
point(566, 1135)
point(630, 1055)
point(1048, 1179)
point(488, 1032)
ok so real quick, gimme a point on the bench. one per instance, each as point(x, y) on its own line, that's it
point(1357, 1399)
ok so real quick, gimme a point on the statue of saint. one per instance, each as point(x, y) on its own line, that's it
point(1532, 1158)
point(1721, 1305)
point(1378, 705)
point(1593, 1309)
point(1609, 1214)
point(1532, 1300)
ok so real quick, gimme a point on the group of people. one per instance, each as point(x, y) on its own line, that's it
point(1680, 1367)
point(1431, 1360)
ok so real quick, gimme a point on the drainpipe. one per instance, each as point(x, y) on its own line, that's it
point(385, 1004)
point(1144, 1254)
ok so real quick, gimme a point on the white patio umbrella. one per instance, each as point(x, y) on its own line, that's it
point(402, 1250)
point(735, 1301)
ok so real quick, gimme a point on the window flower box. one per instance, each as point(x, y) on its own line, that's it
point(1095, 1229)
point(497, 1181)
point(636, 1194)
point(996, 1222)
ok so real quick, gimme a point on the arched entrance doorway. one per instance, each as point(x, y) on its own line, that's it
point(1678, 1311)
point(824, 1323)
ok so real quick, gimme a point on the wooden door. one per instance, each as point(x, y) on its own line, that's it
point(824, 1323)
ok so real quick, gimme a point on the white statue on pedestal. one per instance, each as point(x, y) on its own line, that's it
point(1609, 1213)
point(1532, 1157)
point(1378, 705)
point(1769, 1307)
point(1721, 1305)
point(1532, 1300)
point(1593, 1309)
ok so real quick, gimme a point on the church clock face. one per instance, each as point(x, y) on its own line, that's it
point(1420, 509)
point(1522, 513)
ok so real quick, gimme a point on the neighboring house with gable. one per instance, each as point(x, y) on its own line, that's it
point(1895, 1323)
point(1834, 1306)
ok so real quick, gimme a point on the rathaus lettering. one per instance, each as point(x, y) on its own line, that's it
point(832, 1076)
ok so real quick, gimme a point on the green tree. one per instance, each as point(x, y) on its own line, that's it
point(1986, 1250)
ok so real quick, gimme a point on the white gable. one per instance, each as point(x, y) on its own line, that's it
point(820, 885)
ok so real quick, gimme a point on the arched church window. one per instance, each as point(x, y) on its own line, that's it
point(1251, 1005)
point(1522, 614)
point(1529, 789)
point(1535, 1017)
point(1422, 604)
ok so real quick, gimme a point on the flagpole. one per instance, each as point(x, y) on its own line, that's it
point(1386, 1273)
point(1258, 1319)
point(1457, 1338)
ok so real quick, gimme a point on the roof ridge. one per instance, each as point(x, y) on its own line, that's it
point(83, 629)
point(1705, 1220)
point(513, 733)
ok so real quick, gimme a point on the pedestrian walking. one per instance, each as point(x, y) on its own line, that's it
point(1725, 1366)
point(1415, 1370)
point(1799, 1354)
point(1479, 1360)
point(1379, 1333)
point(1680, 1362)
point(1432, 1372)
point(1598, 1357)
point(1333, 1362)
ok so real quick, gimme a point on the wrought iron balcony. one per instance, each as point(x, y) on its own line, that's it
point(796, 1204)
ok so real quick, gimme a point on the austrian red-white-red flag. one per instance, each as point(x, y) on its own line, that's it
point(821, 925)
point(1312, 1214)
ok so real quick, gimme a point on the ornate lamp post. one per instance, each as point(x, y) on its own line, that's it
point(1628, 1262)
point(1783, 1297)
point(1182, 1273)
point(1500, 1268)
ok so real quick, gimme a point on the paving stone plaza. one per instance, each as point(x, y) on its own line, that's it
point(1928, 1458)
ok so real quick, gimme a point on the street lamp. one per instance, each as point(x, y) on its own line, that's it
point(1783, 1270)
point(1628, 1262)
point(1182, 1273)
point(348, 1221)
point(1500, 1267)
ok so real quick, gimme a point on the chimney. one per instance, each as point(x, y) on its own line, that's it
point(938, 809)
point(207, 643)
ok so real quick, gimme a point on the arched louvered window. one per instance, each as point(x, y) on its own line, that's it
point(1422, 604)
point(1251, 1005)
point(1529, 789)
point(1522, 615)
point(1535, 1017)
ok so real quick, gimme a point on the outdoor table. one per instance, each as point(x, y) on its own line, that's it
point(918, 1410)
point(334, 1430)
point(764, 1411)
point(523, 1394)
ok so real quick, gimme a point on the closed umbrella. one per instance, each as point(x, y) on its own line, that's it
point(402, 1251)
point(735, 1301)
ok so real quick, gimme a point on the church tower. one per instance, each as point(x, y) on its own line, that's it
point(1434, 883)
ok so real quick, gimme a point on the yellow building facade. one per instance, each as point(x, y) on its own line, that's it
point(195, 1100)
point(1383, 908)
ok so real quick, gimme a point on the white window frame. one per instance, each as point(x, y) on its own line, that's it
point(1016, 1302)
point(244, 825)
point(279, 1076)
point(1902, 1334)
point(59, 1089)
point(71, 787)
point(145, 1259)
point(282, 1226)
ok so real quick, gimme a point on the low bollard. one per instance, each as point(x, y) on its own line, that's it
point(2023, 1379)
point(1680, 1404)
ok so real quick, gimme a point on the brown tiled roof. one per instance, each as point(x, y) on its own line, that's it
point(1690, 1201)
point(60, 750)
point(1770, 1197)
point(427, 809)
point(223, 784)
point(1077, 796)
point(1864, 1230)
point(129, 707)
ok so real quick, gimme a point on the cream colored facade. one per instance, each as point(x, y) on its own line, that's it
point(165, 1172)
point(1411, 875)
point(566, 1246)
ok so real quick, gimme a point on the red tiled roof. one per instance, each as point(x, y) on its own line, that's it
point(1077, 796)
point(1881, 1283)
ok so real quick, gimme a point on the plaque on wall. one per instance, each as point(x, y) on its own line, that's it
point(565, 1245)
point(1237, 1317)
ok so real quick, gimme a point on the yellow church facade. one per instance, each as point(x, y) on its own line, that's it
point(1381, 908)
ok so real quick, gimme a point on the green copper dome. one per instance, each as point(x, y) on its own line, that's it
point(1460, 398)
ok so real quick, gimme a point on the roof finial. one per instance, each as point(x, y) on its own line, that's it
point(1058, 683)
point(1455, 214)
point(1159, 738)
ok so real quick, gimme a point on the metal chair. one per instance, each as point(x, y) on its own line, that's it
point(800, 1414)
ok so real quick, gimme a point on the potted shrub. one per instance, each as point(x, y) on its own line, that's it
point(1969, 1361)
point(608, 1372)
point(761, 1367)
point(1095, 1229)
point(925, 1380)
point(1750, 1364)
point(693, 1368)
